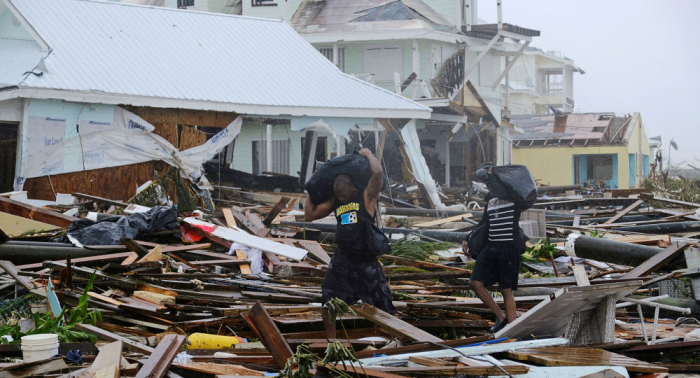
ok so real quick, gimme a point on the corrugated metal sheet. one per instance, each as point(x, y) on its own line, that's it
point(578, 126)
point(102, 47)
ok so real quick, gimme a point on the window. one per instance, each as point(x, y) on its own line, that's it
point(599, 129)
point(280, 157)
point(328, 53)
point(263, 3)
point(185, 3)
point(553, 81)
point(604, 118)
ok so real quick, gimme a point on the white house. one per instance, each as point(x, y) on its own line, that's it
point(73, 70)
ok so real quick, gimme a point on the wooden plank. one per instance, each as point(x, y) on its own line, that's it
point(571, 356)
point(134, 246)
point(221, 262)
point(263, 325)
point(162, 357)
point(103, 298)
point(230, 220)
point(245, 268)
point(392, 324)
point(656, 261)
point(128, 256)
point(438, 222)
point(32, 369)
point(100, 199)
point(231, 235)
point(428, 361)
point(109, 355)
point(220, 369)
point(12, 270)
point(455, 370)
point(581, 275)
point(624, 212)
point(109, 336)
point(35, 213)
point(315, 250)
point(153, 255)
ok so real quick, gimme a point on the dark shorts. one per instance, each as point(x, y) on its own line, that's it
point(354, 279)
point(498, 264)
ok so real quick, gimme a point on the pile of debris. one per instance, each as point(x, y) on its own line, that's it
point(608, 287)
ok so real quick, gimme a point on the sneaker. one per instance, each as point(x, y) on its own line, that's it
point(499, 325)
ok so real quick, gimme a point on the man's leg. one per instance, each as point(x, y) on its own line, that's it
point(486, 297)
point(509, 300)
point(328, 323)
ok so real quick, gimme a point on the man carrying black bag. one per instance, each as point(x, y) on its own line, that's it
point(496, 243)
point(354, 273)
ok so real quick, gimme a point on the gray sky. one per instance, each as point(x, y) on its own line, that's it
point(639, 56)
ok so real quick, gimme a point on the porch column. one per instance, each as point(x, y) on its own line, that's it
point(335, 53)
point(447, 163)
point(268, 149)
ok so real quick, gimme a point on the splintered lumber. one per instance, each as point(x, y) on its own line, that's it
point(230, 235)
point(570, 356)
point(35, 213)
point(12, 270)
point(425, 347)
point(32, 369)
point(134, 246)
point(624, 212)
point(158, 298)
point(220, 369)
point(162, 357)
point(657, 261)
point(551, 317)
point(109, 336)
point(230, 220)
point(279, 206)
point(392, 324)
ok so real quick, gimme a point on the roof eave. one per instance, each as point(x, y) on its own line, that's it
point(250, 109)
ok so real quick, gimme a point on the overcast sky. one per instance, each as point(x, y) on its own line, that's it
point(638, 55)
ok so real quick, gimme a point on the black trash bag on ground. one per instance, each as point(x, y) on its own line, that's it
point(109, 231)
point(512, 183)
point(320, 185)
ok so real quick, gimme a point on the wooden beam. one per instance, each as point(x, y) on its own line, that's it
point(510, 64)
point(624, 212)
point(392, 324)
point(162, 357)
point(656, 261)
point(260, 321)
point(35, 213)
point(109, 336)
point(12, 270)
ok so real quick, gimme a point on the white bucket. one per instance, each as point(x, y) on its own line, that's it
point(39, 347)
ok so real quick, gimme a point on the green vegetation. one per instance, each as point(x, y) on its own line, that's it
point(416, 249)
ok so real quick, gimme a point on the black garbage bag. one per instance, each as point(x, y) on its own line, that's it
point(320, 185)
point(513, 183)
point(109, 231)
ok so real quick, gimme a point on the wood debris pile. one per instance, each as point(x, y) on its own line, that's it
point(609, 287)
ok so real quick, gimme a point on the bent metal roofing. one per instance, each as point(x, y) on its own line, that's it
point(129, 54)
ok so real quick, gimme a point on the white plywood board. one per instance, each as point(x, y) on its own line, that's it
point(551, 317)
point(251, 240)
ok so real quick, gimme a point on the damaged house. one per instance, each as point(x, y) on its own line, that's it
point(598, 150)
point(101, 97)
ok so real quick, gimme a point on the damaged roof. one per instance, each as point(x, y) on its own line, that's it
point(117, 53)
point(603, 128)
point(347, 16)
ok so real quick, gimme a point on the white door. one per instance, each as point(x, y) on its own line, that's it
point(382, 62)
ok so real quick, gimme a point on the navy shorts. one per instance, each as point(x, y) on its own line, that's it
point(497, 264)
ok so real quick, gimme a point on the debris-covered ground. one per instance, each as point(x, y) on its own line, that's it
point(608, 286)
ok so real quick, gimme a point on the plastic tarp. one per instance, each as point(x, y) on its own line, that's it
point(131, 141)
point(109, 231)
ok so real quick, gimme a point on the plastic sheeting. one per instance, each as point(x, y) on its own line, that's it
point(129, 140)
point(110, 230)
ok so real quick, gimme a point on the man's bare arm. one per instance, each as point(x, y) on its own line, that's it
point(374, 186)
point(313, 212)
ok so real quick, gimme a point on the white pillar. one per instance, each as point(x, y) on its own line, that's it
point(335, 53)
point(458, 13)
point(507, 102)
point(312, 157)
point(500, 15)
point(416, 60)
point(268, 149)
point(447, 163)
point(468, 14)
point(338, 141)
